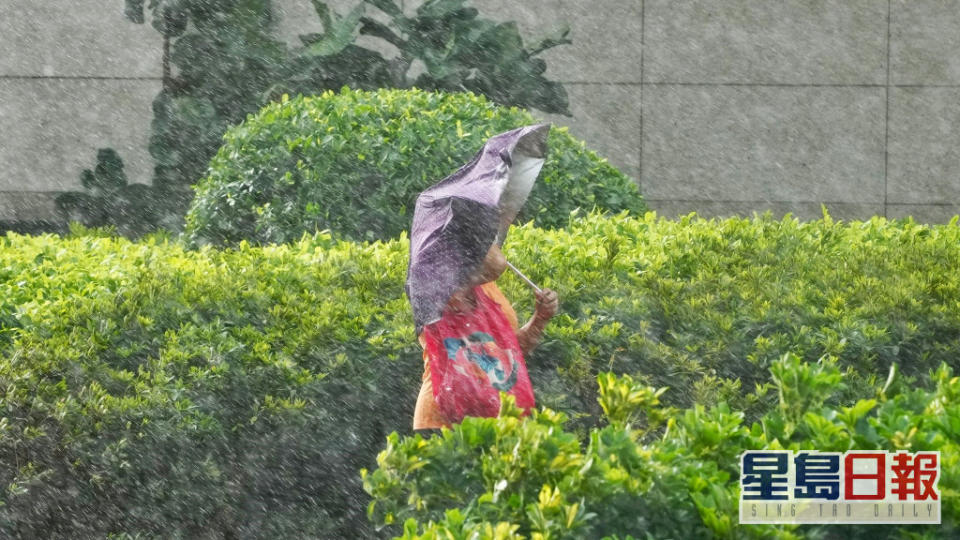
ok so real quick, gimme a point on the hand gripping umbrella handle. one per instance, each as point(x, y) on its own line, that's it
point(523, 277)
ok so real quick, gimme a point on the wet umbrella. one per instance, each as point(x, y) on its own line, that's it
point(456, 220)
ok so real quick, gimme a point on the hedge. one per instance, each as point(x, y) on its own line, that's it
point(654, 471)
point(155, 390)
point(354, 163)
point(166, 393)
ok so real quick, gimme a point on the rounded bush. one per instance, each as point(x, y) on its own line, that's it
point(354, 163)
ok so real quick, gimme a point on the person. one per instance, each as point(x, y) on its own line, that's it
point(426, 417)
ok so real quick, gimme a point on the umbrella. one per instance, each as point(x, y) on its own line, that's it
point(456, 220)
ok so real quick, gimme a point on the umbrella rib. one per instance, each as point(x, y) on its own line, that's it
point(523, 277)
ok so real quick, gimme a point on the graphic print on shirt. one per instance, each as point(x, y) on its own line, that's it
point(479, 355)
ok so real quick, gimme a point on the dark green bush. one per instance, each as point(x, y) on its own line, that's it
point(133, 209)
point(150, 389)
point(354, 163)
point(511, 478)
point(704, 306)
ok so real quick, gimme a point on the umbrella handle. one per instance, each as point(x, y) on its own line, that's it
point(523, 277)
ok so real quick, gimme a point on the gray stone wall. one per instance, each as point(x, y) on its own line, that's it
point(721, 107)
point(74, 76)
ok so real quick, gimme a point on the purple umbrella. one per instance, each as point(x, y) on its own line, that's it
point(456, 220)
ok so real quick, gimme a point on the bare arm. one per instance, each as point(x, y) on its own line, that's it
point(530, 334)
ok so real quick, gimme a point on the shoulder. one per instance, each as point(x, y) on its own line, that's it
point(490, 289)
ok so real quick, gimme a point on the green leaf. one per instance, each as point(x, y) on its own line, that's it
point(341, 33)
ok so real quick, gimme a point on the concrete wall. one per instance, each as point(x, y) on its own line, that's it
point(74, 76)
point(734, 106)
point(721, 107)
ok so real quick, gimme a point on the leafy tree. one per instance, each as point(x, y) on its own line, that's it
point(462, 52)
point(459, 50)
point(330, 59)
point(108, 198)
point(226, 57)
point(229, 64)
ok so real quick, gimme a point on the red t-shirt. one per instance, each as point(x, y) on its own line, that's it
point(426, 415)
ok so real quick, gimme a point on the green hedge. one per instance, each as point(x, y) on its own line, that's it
point(168, 393)
point(654, 471)
point(150, 389)
point(354, 163)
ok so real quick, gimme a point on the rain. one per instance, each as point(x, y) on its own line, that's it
point(478, 269)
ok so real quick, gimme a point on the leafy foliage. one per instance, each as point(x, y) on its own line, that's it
point(457, 49)
point(705, 306)
point(147, 389)
point(135, 209)
point(354, 163)
point(462, 52)
point(509, 477)
point(230, 63)
point(226, 57)
point(156, 391)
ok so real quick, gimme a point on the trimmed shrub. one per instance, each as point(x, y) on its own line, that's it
point(509, 477)
point(354, 163)
point(154, 390)
point(166, 393)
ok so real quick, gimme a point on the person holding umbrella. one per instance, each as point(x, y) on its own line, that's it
point(473, 345)
point(426, 414)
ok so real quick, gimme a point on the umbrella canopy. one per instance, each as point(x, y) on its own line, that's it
point(456, 220)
